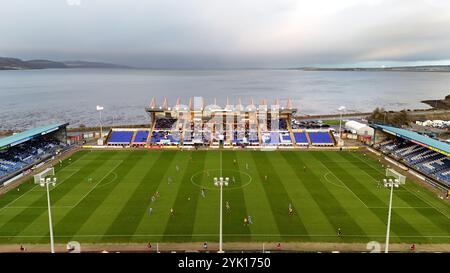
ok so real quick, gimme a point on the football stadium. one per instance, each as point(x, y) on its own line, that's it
point(205, 177)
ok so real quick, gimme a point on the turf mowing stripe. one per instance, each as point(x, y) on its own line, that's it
point(184, 219)
point(127, 221)
point(309, 211)
point(73, 158)
point(277, 196)
point(399, 225)
point(408, 198)
point(77, 216)
point(257, 204)
point(13, 195)
point(155, 223)
point(233, 221)
point(336, 214)
point(28, 216)
point(423, 194)
point(353, 180)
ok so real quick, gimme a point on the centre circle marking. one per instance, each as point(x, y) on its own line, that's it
point(230, 185)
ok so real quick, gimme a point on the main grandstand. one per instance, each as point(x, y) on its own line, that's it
point(197, 124)
point(421, 153)
point(107, 195)
point(23, 151)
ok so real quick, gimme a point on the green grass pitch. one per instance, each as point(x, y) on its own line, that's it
point(105, 196)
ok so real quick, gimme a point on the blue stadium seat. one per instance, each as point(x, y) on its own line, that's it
point(141, 137)
point(320, 138)
point(301, 138)
point(120, 137)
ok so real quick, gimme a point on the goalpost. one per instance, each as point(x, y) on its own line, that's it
point(396, 175)
point(44, 174)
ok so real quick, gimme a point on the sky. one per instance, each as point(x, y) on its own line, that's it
point(229, 33)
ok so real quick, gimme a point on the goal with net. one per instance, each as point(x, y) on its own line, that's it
point(45, 173)
point(391, 173)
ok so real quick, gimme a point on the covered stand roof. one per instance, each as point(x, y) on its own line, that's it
point(433, 144)
point(29, 134)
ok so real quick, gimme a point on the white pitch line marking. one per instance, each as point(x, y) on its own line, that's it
point(345, 185)
point(64, 168)
point(61, 207)
point(8, 205)
point(58, 184)
point(235, 234)
point(93, 188)
point(418, 196)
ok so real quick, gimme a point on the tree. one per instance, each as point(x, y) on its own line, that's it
point(380, 115)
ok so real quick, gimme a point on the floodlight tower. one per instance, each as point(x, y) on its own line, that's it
point(389, 183)
point(220, 182)
point(100, 109)
point(341, 109)
point(46, 182)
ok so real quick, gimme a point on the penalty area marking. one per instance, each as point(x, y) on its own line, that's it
point(345, 185)
point(31, 190)
point(326, 179)
point(79, 201)
point(113, 180)
point(410, 191)
point(96, 184)
point(73, 171)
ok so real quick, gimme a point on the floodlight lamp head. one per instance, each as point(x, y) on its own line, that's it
point(42, 184)
point(226, 183)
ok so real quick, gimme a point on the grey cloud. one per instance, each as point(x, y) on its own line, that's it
point(232, 33)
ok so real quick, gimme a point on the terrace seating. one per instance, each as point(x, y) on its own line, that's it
point(165, 123)
point(444, 176)
point(301, 138)
point(421, 158)
point(141, 137)
point(238, 137)
point(283, 124)
point(253, 137)
point(120, 137)
point(26, 154)
point(442, 162)
point(165, 137)
point(410, 148)
point(320, 138)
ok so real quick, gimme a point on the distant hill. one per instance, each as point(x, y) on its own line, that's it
point(83, 64)
point(425, 68)
point(18, 64)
